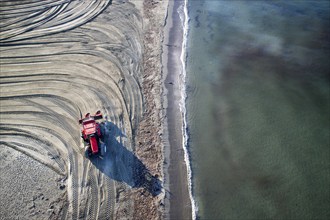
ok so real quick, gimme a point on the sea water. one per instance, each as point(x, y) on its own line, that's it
point(257, 108)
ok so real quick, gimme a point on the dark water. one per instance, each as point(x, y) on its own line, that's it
point(258, 108)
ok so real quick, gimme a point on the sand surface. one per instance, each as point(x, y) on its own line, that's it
point(176, 183)
point(59, 60)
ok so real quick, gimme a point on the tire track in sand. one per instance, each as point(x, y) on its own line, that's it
point(60, 59)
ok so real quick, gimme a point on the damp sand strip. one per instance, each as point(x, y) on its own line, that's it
point(177, 192)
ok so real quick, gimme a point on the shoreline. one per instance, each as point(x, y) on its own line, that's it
point(177, 196)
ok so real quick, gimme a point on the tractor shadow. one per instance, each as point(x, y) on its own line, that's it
point(122, 165)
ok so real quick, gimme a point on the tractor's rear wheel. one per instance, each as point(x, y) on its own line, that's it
point(103, 149)
point(87, 152)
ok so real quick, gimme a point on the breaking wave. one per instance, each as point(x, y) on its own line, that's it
point(183, 12)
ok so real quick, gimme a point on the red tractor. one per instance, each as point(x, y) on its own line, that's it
point(91, 134)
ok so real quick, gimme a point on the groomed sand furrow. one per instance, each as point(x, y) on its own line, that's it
point(46, 150)
point(33, 137)
point(82, 13)
point(53, 136)
point(83, 80)
point(72, 165)
point(50, 117)
point(69, 109)
point(14, 22)
point(70, 153)
point(47, 83)
point(11, 5)
point(50, 150)
point(59, 102)
point(102, 194)
point(72, 182)
point(82, 98)
point(66, 123)
point(93, 211)
point(84, 194)
point(31, 75)
point(129, 86)
point(32, 154)
point(112, 35)
point(109, 205)
point(64, 211)
point(14, 26)
point(84, 176)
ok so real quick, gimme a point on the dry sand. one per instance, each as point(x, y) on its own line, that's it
point(59, 60)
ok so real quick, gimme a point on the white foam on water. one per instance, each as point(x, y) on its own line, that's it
point(183, 13)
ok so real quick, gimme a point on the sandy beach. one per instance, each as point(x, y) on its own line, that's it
point(60, 60)
point(177, 183)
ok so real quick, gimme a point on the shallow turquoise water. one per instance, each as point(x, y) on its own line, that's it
point(258, 108)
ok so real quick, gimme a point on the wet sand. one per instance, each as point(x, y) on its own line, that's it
point(177, 195)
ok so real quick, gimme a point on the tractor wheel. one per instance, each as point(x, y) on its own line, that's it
point(102, 131)
point(87, 152)
point(103, 149)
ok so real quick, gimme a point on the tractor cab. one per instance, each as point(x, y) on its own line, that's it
point(91, 133)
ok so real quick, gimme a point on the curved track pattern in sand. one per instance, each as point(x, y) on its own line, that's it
point(61, 59)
